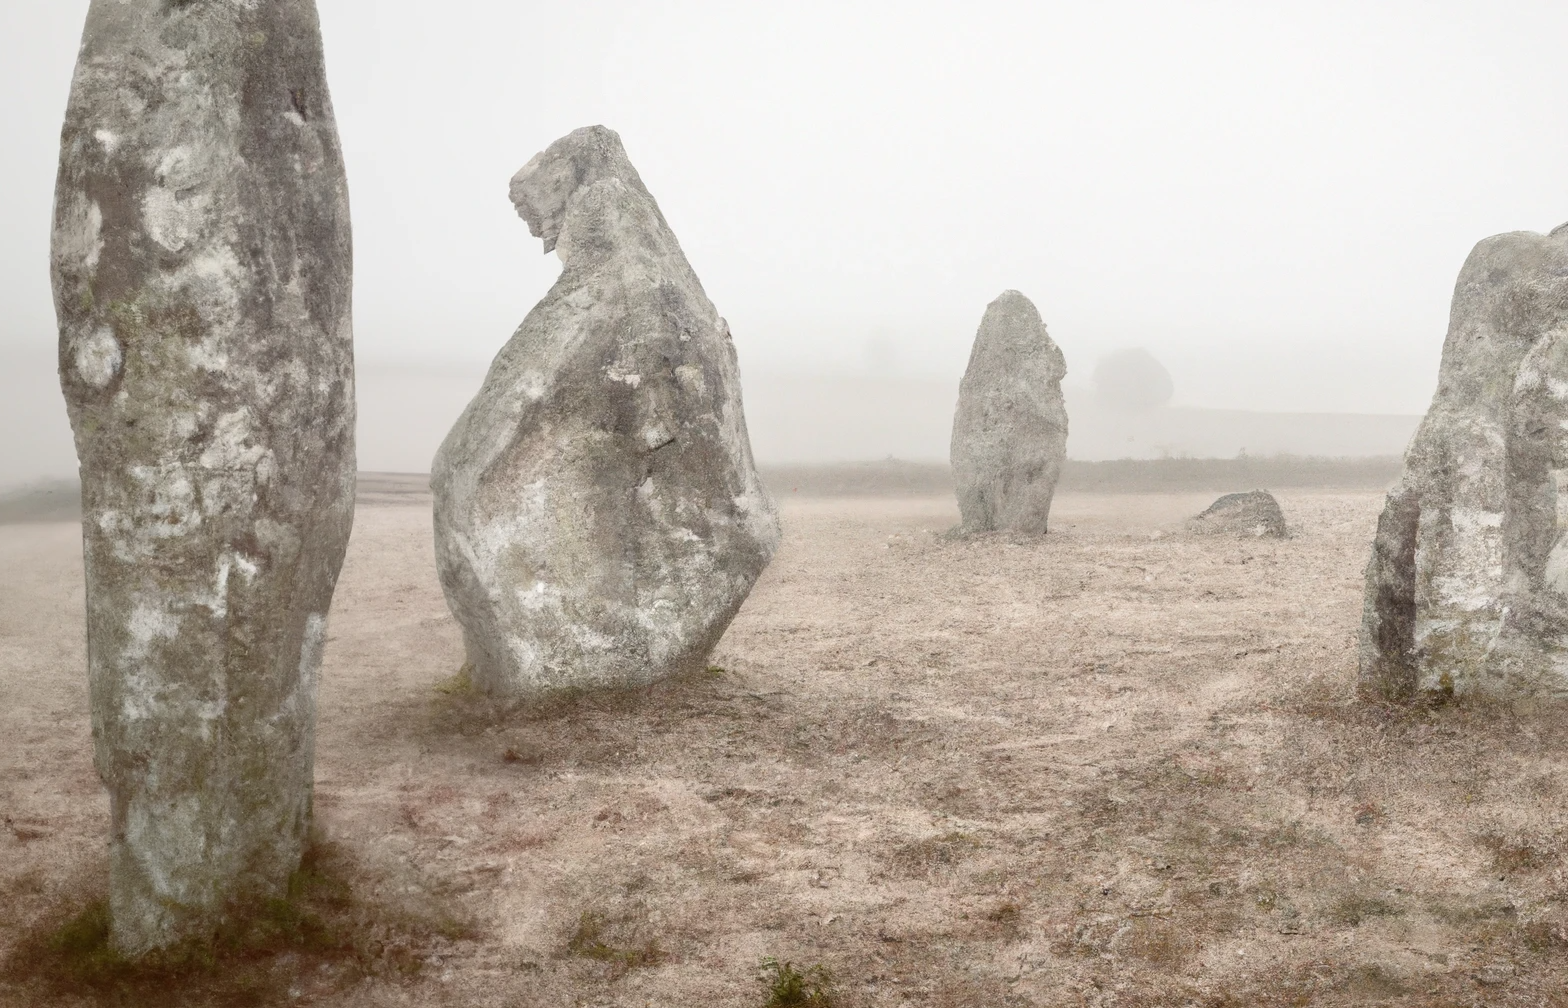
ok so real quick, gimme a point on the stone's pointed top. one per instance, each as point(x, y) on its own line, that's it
point(1012, 306)
point(1558, 231)
point(542, 188)
point(1012, 298)
point(1011, 326)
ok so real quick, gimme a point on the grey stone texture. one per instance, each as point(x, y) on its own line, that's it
point(1255, 514)
point(201, 270)
point(1465, 588)
point(598, 516)
point(1010, 428)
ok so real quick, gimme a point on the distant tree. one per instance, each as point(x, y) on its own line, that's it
point(1132, 381)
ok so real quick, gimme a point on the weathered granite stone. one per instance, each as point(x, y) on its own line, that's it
point(1465, 586)
point(1245, 514)
point(201, 268)
point(1010, 428)
point(598, 517)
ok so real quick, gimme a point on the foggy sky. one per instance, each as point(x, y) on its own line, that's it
point(1274, 199)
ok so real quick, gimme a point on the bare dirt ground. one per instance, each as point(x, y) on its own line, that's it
point(1116, 765)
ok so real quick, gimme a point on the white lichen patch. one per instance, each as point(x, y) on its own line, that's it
point(692, 381)
point(98, 357)
point(232, 443)
point(536, 597)
point(171, 221)
point(314, 647)
point(173, 510)
point(78, 233)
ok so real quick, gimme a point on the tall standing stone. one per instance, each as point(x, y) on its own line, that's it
point(201, 267)
point(598, 518)
point(1010, 429)
point(1465, 589)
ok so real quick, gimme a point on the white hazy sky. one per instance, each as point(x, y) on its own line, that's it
point(1273, 198)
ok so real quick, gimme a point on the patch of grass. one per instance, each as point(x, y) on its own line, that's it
point(589, 941)
point(1292, 834)
point(1512, 856)
point(1373, 981)
point(1160, 943)
point(788, 986)
point(459, 684)
point(1007, 918)
point(1460, 914)
point(922, 857)
point(1355, 909)
point(318, 937)
point(1541, 936)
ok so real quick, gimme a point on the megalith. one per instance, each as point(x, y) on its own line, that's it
point(201, 272)
point(1465, 588)
point(1255, 514)
point(1010, 428)
point(598, 516)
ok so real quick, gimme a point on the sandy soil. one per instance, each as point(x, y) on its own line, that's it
point(1117, 765)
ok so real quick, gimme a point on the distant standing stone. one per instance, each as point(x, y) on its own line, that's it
point(1246, 514)
point(598, 517)
point(201, 268)
point(1467, 587)
point(1010, 428)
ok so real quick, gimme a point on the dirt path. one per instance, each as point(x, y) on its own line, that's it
point(1114, 766)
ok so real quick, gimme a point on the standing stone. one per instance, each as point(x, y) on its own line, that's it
point(1465, 586)
point(1010, 429)
point(201, 268)
point(598, 518)
point(1254, 514)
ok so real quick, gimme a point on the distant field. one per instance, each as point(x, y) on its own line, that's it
point(59, 500)
point(893, 477)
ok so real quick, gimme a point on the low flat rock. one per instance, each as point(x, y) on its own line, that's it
point(1010, 427)
point(1255, 513)
point(1465, 588)
point(201, 268)
point(598, 516)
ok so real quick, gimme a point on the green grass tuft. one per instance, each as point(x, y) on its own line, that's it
point(589, 942)
point(460, 683)
point(788, 986)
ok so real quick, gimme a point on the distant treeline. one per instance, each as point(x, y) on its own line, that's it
point(60, 500)
point(1246, 472)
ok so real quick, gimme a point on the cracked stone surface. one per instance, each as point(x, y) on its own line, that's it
point(1255, 513)
point(1010, 428)
point(1467, 586)
point(598, 516)
point(201, 270)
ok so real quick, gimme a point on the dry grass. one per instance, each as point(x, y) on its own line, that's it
point(1114, 766)
point(319, 941)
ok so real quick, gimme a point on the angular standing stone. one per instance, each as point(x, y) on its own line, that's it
point(1245, 514)
point(598, 518)
point(1010, 429)
point(201, 268)
point(1465, 586)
